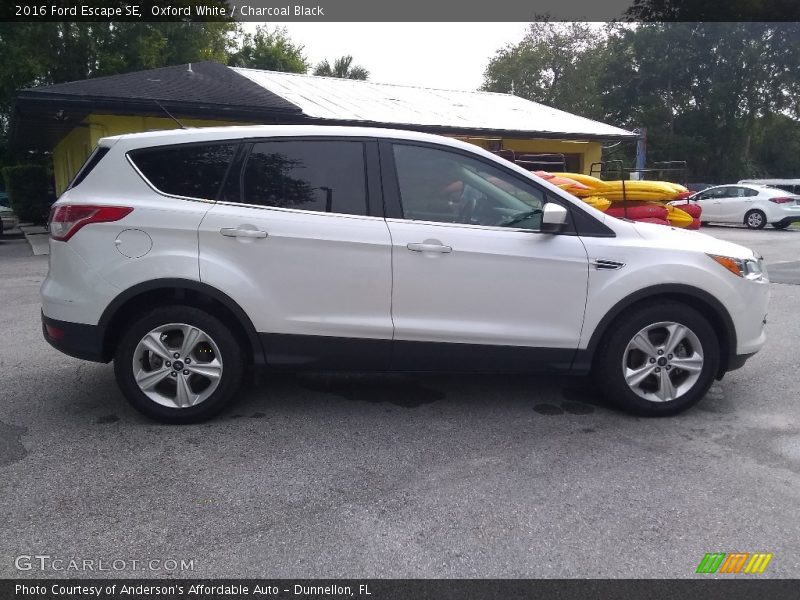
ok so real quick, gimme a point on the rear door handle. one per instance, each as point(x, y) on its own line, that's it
point(242, 232)
point(441, 249)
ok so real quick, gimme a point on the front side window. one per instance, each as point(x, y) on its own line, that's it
point(732, 192)
point(316, 175)
point(190, 170)
point(446, 187)
point(720, 192)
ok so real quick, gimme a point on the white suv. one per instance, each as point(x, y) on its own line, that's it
point(186, 256)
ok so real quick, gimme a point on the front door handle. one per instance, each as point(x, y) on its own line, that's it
point(441, 249)
point(242, 232)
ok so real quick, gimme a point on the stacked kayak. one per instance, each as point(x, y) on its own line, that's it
point(645, 201)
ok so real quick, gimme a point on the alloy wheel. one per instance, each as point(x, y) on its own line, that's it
point(177, 365)
point(662, 361)
point(755, 220)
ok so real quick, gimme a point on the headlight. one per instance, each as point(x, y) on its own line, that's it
point(748, 268)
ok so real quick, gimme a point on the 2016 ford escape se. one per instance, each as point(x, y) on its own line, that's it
point(185, 256)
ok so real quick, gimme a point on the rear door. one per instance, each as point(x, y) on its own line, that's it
point(476, 285)
point(298, 241)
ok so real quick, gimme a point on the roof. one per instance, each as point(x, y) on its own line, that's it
point(43, 115)
point(207, 83)
point(351, 100)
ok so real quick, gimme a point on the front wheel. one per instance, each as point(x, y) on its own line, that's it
point(179, 364)
point(755, 219)
point(659, 360)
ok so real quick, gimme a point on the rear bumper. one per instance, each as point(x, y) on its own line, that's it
point(788, 220)
point(75, 339)
point(736, 361)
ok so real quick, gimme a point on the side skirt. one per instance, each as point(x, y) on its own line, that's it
point(323, 353)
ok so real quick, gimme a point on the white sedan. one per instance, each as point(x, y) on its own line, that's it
point(751, 204)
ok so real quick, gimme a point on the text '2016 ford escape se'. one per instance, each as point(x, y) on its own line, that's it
point(185, 256)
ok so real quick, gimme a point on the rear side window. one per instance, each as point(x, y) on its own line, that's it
point(317, 175)
point(191, 170)
point(91, 162)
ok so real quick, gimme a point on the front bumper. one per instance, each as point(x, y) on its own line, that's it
point(75, 339)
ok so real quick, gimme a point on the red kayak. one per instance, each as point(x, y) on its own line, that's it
point(637, 213)
point(695, 224)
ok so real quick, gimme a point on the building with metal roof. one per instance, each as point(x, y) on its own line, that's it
point(67, 119)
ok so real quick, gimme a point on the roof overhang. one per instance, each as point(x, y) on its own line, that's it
point(41, 120)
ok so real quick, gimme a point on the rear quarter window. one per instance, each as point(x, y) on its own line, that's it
point(91, 162)
point(188, 170)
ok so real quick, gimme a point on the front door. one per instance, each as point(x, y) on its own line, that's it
point(475, 284)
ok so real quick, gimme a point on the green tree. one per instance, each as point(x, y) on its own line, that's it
point(776, 147)
point(270, 50)
point(342, 68)
point(556, 64)
point(46, 53)
point(702, 89)
point(705, 92)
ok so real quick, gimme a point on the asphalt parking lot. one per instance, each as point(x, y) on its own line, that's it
point(398, 475)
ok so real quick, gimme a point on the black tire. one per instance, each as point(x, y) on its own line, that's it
point(231, 357)
point(755, 219)
point(609, 369)
point(781, 225)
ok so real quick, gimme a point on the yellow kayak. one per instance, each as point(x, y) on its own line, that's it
point(618, 196)
point(597, 202)
point(587, 180)
point(677, 217)
point(648, 187)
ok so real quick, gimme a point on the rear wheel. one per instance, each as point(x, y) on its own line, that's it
point(660, 360)
point(755, 219)
point(179, 364)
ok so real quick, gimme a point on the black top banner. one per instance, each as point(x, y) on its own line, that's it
point(406, 11)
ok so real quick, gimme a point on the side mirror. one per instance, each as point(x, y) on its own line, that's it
point(554, 217)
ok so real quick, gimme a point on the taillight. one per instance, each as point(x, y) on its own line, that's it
point(66, 220)
point(781, 200)
point(54, 332)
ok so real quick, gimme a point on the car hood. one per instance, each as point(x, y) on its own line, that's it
point(672, 237)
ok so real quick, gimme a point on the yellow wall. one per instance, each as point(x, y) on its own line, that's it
point(590, 151)
point(70, 153)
